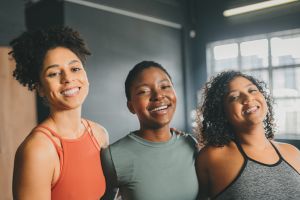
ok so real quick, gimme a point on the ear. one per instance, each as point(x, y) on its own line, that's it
point(130, 107)
point(40, 90)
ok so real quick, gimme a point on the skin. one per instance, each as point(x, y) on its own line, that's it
point(245, 108)
point(153, 100)
point(63, 82)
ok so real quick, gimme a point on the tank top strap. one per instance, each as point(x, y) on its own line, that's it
point(92, 136)
point(240, 148)
point(59, 148)
point(277, 151)
point(51, 131)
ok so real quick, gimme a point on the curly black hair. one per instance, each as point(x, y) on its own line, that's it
point(213, 127)
point(136, 70)
point(30, 48)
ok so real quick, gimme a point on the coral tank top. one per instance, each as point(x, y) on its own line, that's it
point(81, 176)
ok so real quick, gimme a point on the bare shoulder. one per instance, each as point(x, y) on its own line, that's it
point(208, 163)
point(286, 148)
point(213, 153)
point(212, 158)
point(37, 146)
point(34, 167)
point(100, 133)
point(290, 153)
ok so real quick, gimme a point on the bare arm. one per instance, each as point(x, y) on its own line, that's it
point(203, 176)
point(33, 169)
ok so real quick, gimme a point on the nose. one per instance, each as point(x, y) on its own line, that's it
point(66, 77)
point(246, 98)
point(157, 95)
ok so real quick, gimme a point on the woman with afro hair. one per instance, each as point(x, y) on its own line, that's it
point(240, 159)
point(60, 157)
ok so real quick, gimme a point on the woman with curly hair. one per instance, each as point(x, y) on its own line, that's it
point(240, 159)
point(60, 157)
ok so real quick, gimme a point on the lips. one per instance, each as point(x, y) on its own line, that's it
point(250, 110)
point(159, 108)
point(70, 92)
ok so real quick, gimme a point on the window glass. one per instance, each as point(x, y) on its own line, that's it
point(225, 57)
point(286, 82)
point(285, 50)
point(287, 116)
point(254, 54)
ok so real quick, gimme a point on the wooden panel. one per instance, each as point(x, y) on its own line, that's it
point(17, 118)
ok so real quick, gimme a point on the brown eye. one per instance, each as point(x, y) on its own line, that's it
point(142, 92)
point(233, 98)
point(253, 90)
point(53, 74)
point(165, 87)
point(75, 69)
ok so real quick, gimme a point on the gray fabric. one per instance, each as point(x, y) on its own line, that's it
point(261, 181)
point(146, 170)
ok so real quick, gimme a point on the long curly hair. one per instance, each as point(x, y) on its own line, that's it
point(30, 48)
point(213, 127)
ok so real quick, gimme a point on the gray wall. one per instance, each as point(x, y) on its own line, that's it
point(12, 20)
point(118, 42)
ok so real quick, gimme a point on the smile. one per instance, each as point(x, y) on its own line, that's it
point(251, 110)
point(159, 108)
point(70, 92)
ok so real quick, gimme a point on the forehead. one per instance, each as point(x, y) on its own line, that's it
point(239, 82)
point(59, 54)
point(150, 74)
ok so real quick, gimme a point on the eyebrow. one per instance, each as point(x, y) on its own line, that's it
point(56, 65)
point(146, 85)
point(250, 84)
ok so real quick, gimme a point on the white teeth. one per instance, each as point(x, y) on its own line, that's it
point(159, 108)
point(70, 92)
point(250, 110)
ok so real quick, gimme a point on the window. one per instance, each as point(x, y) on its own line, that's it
point(273, 58)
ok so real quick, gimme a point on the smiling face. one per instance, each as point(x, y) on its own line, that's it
point(153, 98)
point(245, 105)
point(63, 79)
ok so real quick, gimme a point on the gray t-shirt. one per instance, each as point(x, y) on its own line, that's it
point(145, 170)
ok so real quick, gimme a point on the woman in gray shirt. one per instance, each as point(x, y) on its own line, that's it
point(151, 163)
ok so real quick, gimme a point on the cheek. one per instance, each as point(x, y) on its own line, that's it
point(175, 99)
point(84, 78)
point(232, 111)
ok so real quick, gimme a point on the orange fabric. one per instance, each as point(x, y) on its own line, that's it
point(81, 176)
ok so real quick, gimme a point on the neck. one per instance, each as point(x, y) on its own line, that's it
point(162, 134)
point(253, 137)
point(67, 123)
